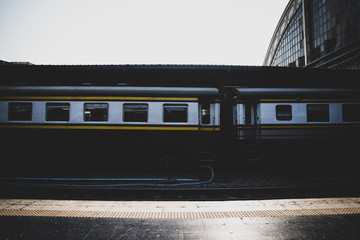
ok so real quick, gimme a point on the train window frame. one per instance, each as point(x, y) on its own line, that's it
point(177, 107)
point(317, 113)
point(205, 113)
point(351, 112)
point(65, 117)
point(280, 115)
point(248, 114)
point(136, 116)
point(98, 108)
point(25, 107)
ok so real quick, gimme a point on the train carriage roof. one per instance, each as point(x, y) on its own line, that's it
point(249, 93)
point(109, 91)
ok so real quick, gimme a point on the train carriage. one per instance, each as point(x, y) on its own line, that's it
point(70, 123)
point(278, 122)
point(103, 116)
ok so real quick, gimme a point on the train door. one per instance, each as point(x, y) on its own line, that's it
point(207, 116)
point(250, 130)
point(209, 120)
point(250, 120)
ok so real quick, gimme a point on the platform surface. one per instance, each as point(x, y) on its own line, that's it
point(317, 218)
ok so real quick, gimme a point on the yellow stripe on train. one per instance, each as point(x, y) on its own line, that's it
point(102, 127)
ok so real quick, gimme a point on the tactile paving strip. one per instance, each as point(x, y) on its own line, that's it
point(180, 215)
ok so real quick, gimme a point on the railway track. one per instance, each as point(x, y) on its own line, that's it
point(327, 188)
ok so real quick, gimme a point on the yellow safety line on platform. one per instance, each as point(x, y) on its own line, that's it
point(179, 215)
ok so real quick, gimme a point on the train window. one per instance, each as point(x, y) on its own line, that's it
point(20, 111)
point(57, 111)
point(135, 112)
point(283, 112)
point(317, 112)
point(351, 112)
point(205, 113)
point(247, 114)
point(175, 113)
point(96, 112)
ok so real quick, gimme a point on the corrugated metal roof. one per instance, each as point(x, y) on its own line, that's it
point(174, 75)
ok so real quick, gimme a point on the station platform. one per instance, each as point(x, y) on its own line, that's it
point(313, 218)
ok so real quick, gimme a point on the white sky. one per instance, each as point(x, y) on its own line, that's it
point(231, 32)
